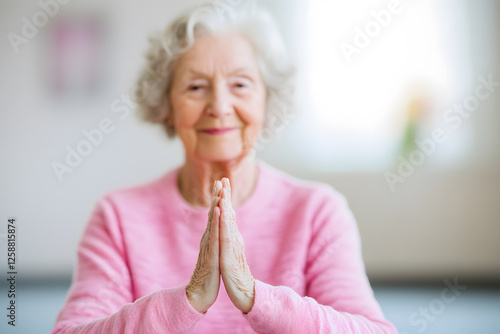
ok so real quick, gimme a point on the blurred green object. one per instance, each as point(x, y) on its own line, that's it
point(414, 115)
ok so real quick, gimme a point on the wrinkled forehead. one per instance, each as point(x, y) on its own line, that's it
point(220, 54)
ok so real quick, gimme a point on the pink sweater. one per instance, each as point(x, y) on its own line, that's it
point(141, 244)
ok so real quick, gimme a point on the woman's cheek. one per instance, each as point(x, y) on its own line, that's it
point(247, 139)
point(250, 135)
point(188, 136)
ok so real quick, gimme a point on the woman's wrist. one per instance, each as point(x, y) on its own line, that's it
point(195, 302)
point(250, 300)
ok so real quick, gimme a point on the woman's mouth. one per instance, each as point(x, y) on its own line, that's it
point(217, 131)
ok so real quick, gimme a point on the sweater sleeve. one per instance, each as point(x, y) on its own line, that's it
point(339, 298)
point(100, 299)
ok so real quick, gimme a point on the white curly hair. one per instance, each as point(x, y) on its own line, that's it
point(215, 17)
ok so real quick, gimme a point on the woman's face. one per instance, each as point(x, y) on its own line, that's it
point(217, 85)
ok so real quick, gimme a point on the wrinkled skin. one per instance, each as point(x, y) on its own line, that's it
point(217, 83)
point(203, 287)
point(222, 252)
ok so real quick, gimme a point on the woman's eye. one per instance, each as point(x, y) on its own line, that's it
point(195, 87)
point(240, 85)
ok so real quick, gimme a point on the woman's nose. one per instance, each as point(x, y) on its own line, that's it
point(220, 102)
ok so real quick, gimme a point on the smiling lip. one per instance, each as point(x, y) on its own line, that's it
point(218, 131)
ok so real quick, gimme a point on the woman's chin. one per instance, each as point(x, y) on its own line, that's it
point(218, 156)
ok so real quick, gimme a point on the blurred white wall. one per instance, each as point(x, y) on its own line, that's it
point(441, 222)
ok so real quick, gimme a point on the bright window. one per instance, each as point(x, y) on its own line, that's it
point(365, 63)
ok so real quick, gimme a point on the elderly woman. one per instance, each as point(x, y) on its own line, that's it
point(287, 250)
